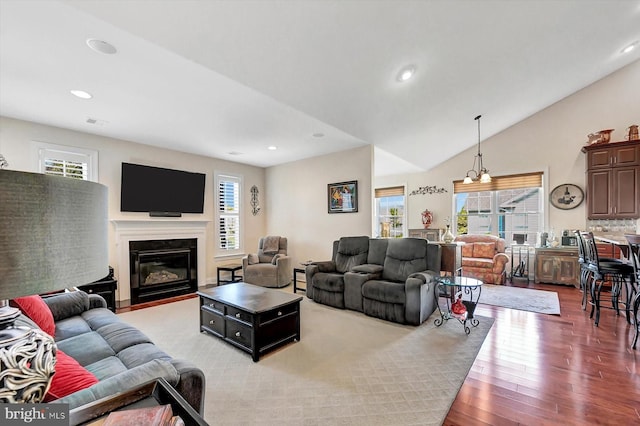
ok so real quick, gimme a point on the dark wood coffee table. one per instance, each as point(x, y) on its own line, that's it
point(252, 318)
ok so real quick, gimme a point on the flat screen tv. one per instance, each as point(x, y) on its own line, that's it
point(161, 192)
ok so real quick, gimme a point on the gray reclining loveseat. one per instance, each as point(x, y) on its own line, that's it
point(391, 279)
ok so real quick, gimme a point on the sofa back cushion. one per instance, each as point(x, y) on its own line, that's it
point(377, 251)
point(352, 251)
point(405, 256)
point(484, 250)
point(467, 250)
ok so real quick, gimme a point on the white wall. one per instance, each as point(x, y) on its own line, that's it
point(548, 141)
point(297, 202)
point(16, 143)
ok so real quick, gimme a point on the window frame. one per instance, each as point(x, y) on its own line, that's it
point(44, 151)
point(387, 192)
point(495, 215)
point(236, 178)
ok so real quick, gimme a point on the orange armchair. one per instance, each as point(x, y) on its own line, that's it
point(483, 258)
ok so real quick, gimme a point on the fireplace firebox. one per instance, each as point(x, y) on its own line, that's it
point(162, 268)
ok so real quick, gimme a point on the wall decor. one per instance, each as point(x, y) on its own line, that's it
point(254, 200)
point(428, 190)
point(566, 196)
point(342, 197)
point(427, 219)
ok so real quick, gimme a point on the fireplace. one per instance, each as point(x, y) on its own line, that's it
point(162, 268)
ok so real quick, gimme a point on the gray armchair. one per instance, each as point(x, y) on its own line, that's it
point(270, 267)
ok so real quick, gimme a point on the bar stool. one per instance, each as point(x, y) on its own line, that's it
point(634, 256)
point(614, 271)
point(585, 271)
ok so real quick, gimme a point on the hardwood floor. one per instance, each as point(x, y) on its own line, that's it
point(536, 369)
point(540, 369)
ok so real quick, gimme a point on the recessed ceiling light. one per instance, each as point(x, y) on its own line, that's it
point(234, 153)
point(272, 148)
point(318, 135)
point(81, 94)
point(630, 47)
point(406, 73)
point(101, 46)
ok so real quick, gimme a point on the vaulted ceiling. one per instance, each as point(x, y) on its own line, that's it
point(228, 79)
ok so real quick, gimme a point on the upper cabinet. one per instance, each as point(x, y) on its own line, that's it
point(613, 180)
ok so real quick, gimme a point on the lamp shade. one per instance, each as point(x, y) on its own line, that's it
point(53, 233)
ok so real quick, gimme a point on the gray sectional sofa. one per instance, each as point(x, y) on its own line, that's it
point(119, 355)
point(391, 279)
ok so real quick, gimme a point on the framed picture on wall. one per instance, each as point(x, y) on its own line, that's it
point(342, 197)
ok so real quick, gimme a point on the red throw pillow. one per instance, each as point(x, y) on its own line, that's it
point(35, 308)
point(70, 377)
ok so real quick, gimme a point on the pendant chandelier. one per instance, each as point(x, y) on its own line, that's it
point(478, 172)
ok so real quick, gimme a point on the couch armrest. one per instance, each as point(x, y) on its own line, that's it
point(65, 305)
point(500, 261)
point(125, 380)
point(97, 301)
point(191, 384)
point(325, 266)
point(420, 298)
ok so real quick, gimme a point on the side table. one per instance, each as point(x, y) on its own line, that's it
point(299, 271)
point(228, 268)
point(155, 392)
point(470, 287)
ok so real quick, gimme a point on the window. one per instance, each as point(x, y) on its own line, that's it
point(390, 212)
point(509, 206)
point(71, 162)
point(228, 214)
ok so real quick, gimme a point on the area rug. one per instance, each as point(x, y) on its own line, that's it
point(347, 368)
point(523, 299)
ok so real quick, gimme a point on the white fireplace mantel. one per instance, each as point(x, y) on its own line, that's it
point(139, 230)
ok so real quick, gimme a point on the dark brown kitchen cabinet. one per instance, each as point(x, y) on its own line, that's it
point(613, 180)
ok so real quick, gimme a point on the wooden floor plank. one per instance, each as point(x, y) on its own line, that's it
point(536, 369)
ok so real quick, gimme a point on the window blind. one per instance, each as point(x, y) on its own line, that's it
point(228, 213)
point(524, 180)
point(389, 192)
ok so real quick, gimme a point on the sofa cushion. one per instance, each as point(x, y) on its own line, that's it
point(86, 348)
point(253, 259)
point(106, 367)
point(467, 250)
point(404, 257)
point(36, 309)
point(120, 336)
point(69, 377)
point(274, 261)
point(377, 250)
point(352, 251)
point(328, 281)
point(70, 327)
point(137, 355)
point(384, 291)
point(477, 262)
point(486, 250)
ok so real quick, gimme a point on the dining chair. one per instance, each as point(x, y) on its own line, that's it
point(614, 273)
point(585, 271)
point(634, 256)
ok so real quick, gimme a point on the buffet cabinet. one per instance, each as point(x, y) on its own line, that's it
point(557, 265)
point(613, 180)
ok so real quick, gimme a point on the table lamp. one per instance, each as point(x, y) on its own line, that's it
point(53, 235)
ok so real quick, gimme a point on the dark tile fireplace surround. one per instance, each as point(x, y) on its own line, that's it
point(162, 268)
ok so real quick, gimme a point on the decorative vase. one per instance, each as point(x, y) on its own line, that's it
point(448, 236)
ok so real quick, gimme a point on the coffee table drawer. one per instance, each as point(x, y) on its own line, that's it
point(213, 305)
point(278, 313)
point(239, 315)
point(212, 322)
point(239, 333)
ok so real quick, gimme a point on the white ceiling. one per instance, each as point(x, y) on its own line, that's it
point(216, 77)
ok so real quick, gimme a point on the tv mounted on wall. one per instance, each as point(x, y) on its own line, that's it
point(161, 192)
